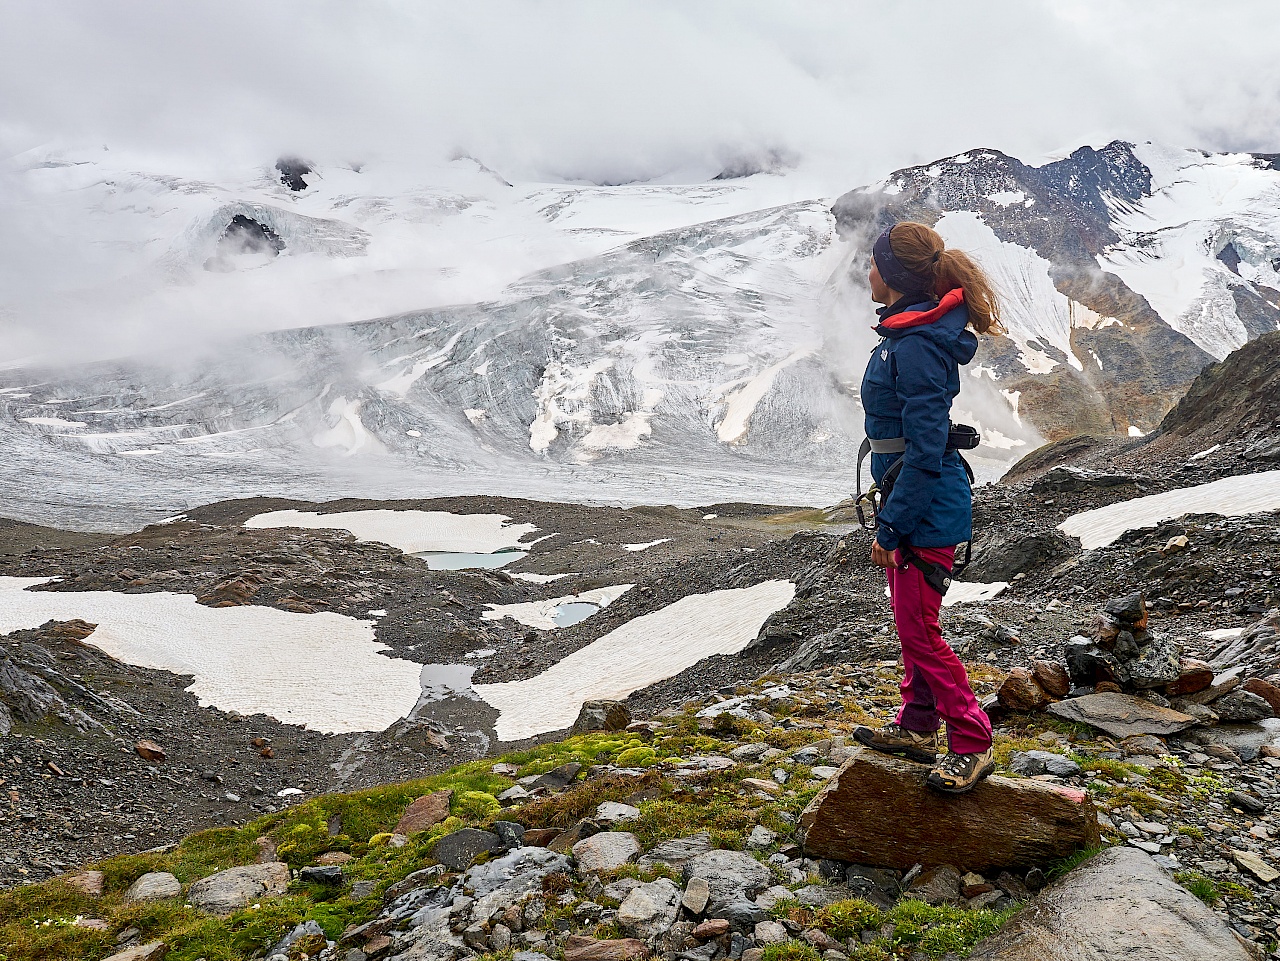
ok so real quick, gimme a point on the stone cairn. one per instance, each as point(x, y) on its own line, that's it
point(1124, 656)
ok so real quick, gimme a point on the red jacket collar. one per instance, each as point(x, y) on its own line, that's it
point(918, 318)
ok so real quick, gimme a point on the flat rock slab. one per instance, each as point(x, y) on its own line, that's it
point(730, 875)
point(877, 810)
point(426, 812)
point(236, 888)
point(606, 851)
point(154, 886)
point(1122, 715)
point(579, 948)
point(1120, 904)
point(142, 952)
point(676, 852)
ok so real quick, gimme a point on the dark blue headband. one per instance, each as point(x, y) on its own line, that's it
point(892, 271)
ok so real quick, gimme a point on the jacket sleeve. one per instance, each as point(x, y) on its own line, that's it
point(921, 385)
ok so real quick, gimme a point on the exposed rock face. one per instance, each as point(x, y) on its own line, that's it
point(456, 851)
point(877, 810)
point(33, 689)
point(235, 888)
point(1118, 905)
point(730, 875)
point(606, 851)
point(1122, 715)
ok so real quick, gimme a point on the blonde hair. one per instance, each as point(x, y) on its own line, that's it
point(922, 251)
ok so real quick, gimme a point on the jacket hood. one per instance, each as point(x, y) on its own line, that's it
point(944, 322)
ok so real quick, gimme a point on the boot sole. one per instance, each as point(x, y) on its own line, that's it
point(864, 736)
point(937, 785)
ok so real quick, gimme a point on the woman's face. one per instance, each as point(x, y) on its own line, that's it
point(880, 291)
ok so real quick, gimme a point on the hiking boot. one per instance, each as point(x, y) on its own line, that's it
point(957, 773)
point(893, 738)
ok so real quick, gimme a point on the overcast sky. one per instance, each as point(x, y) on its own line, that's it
point(611, 90)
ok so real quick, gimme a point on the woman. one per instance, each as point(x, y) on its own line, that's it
point(933, 298)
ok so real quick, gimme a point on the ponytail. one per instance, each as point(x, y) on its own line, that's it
point(922, 251)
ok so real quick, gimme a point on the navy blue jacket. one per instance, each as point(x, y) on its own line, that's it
point(907, 390)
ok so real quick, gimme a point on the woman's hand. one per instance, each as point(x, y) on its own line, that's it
point(881, 557)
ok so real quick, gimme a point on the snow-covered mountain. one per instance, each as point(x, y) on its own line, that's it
point(684, 343)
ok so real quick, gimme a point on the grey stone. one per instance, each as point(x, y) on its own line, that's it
point(1120, 904)
point(749, 752)
point(619, 889)
point(610, 812)
point(769, 897)
point(153, 886)
point(696, 895)
point(650, 909)
point(606, 851)
point(306, 929)
point(456, 851)
point(731, 875)
point(770, 932)
point(1159, 663)
point(760, 838)
point(675, 853)
point(236, 888)
point(152, 951)
point(1241, 707)
point(741, 915)
point(1032, 763)
point(1121, 715)
point(819, 895)
point(559, 778)
point(322, 874)
point(511, 833)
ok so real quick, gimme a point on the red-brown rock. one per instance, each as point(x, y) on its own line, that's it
point(87, 882)
point(1052, 678)
point(1107, 687)
point(1020, 692)
point(579, 948)
point(424, 813)
point(877, 810)
point(150, 751)
point(713, 928)
point(540, 837)
point(1193, 675)
point(1265, 690)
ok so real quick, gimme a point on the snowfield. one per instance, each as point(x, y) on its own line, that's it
point(413, 532)
point(323, 671)
point(541, 614)
point(641, 652)
point(1230, 497)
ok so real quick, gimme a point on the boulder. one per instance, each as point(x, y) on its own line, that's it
point(1052, 678)
point(580, 948)
point(1122, 715)
point(650, 909)
point(426, 812)
point(1157, 664)
point(1065, 479)
point(877, 810)
point(1033, 763)
point(1130, 610)
point(153, 886)
point(558, 778)
point(1118, 905)
point(1020, 692)
point(730, 876)
point(1088, 663)
point(1265, 690)
point(610, 812)
point(677, 852)
point(1003, 555)
point(1223, 683)
point(606, 851)
point(456, 851)
point(564, 841)
point(1241, 707)
point(1193, 675)
point(236, 888)
point(150, 751)
point(940, 885)
point(601, 716)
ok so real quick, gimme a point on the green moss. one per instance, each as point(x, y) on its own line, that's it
point(847, 919)
point(476, 806)
point(790, 951)
point(1191, 831)
point(637, 757)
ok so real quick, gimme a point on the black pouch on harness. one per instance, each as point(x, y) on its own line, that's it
point(935, 575)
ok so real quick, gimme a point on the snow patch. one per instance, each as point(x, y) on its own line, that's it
point(641, 652)
point(646, 546)
point(1007, 198)
point(1034, 310)
point(53, 422)
point(413, 532)
point(1204, 453)
point(1230, 497)
point(323, 670)
point(970, 592)
point(541, 614)
point(540, 578)
point(739, 405)
point(349, 432)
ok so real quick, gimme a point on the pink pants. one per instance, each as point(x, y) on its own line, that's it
point(935, 686)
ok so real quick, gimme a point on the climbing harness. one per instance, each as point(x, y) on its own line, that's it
point(869, 503)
